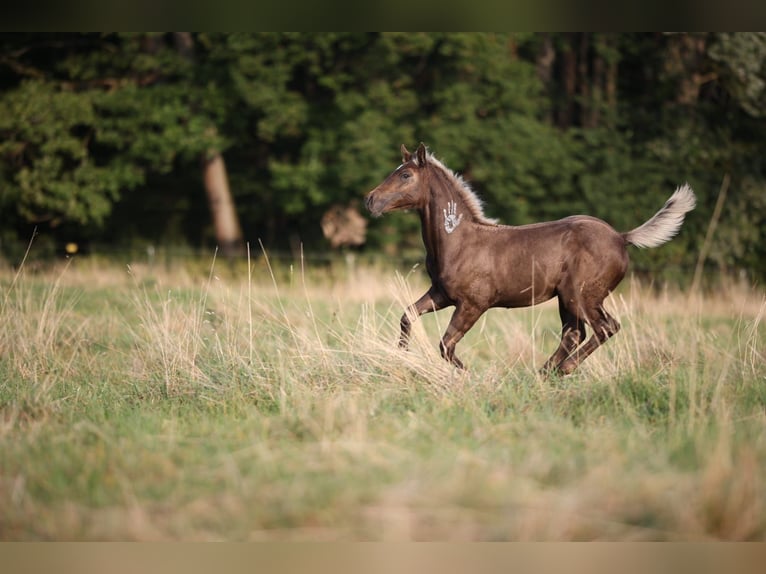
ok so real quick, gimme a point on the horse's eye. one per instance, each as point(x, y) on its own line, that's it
point(405, 175)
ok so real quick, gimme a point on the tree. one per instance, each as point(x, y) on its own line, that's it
point(87, 117)
point(228, 232)
point(542, 125)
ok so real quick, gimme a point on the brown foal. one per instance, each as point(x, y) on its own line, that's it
point(475, 263)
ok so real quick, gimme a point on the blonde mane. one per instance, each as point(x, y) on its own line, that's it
point(472, 201)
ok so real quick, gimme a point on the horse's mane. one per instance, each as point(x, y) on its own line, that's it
point(472, 201)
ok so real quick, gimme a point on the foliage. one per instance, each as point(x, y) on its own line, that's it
point(95, 127)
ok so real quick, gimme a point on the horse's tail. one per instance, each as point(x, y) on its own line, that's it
point(664, 225)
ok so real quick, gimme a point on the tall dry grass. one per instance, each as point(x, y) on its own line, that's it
point(256, 402)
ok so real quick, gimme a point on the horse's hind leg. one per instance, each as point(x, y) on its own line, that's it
point(432, 300)
point(572, 335)
point(604, 326)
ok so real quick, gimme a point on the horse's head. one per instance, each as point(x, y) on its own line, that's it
point(402, 189)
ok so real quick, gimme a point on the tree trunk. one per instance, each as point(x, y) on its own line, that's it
point(686, 54)
point(598, 81)
point(610, 85)
point(228, 233)
point(569, 82)
point(584, 81)
point(546, 57)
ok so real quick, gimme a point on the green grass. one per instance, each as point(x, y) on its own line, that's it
point(261, 404)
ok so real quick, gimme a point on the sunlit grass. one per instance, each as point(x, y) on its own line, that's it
point(218, 401)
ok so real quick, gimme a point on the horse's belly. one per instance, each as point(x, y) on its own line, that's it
point(519, 289)
point(497, 283)
point(524, 298)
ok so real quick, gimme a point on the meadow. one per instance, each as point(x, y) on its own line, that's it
point(253, 401)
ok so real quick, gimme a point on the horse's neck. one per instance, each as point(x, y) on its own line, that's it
point(443, 219)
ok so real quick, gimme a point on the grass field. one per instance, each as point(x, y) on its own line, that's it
point(215, 402)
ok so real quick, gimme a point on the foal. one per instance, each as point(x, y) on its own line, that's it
point(475, 263)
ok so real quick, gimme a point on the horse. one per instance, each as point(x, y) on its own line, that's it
point(476, 264)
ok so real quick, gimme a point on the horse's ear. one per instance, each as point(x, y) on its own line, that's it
point(406, 155)
point(421, 154)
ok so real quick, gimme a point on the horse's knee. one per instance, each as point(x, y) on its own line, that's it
point(572, 338)
point(612, 326)
point(607, 328)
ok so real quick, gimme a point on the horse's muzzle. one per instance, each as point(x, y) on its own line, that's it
point(369, 203)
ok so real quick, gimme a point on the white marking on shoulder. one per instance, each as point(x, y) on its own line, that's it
point(451, 217)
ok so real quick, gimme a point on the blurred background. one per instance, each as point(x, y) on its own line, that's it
point(174, 144)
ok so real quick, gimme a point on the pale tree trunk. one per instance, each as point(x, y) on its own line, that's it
point(228, 233)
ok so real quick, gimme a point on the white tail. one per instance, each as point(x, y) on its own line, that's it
point(664, 225)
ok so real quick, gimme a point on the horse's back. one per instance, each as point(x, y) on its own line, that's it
point(573, 232)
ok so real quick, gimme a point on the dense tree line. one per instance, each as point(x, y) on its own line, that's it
point(124, 139)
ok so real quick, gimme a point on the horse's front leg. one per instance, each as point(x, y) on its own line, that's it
point(464, 317)
point(432, 300)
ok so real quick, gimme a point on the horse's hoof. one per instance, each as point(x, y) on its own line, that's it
point(566, 367)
